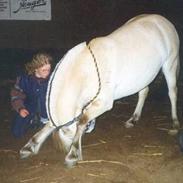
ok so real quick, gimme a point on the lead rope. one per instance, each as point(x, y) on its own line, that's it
point(99, 82)
point(88, 103)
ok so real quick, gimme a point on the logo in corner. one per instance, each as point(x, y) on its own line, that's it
point(29, 4)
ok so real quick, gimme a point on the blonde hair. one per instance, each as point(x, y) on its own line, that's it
point(38, 60)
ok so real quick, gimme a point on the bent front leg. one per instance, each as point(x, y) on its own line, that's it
point(34, 144)
point(95, 109)
point(142, 95)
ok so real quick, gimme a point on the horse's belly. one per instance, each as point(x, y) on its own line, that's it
point(132, 82)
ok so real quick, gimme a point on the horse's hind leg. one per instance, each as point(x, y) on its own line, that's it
point(142, 95)
point(170, 71)
point(34, 144)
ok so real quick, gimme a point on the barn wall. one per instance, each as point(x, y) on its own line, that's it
point(78, 20)
point(73, 22)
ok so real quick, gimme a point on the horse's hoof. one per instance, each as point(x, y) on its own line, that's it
point(70, 163)
point(176, 125)
point(172, 132)
point(129, 124)
point(25, 153)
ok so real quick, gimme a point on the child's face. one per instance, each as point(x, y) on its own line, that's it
point(43, 72)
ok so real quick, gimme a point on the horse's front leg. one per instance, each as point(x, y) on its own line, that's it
point(34, 144)
point(142, 95)
point(75, 152)
point(96, 108)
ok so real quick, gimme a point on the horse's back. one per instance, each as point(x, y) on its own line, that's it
point(145, 30)
point(138, 50)
point(147, 24)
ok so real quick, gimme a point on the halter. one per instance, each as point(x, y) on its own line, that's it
point(86, 105)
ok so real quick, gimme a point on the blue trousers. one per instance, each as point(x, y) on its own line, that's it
point(20, 125)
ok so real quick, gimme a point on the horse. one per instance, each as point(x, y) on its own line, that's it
point(90, 77)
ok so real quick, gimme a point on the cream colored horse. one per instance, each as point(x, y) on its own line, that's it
point(121, 64)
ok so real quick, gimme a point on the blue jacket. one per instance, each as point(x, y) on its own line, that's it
point(34, 91)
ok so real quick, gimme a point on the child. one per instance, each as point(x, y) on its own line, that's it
point(29, 95)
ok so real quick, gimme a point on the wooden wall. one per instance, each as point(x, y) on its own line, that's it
point(74, 21)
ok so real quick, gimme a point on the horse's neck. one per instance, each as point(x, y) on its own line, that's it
point(60, 88)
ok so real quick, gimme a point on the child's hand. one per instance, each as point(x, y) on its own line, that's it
point(23, 112)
